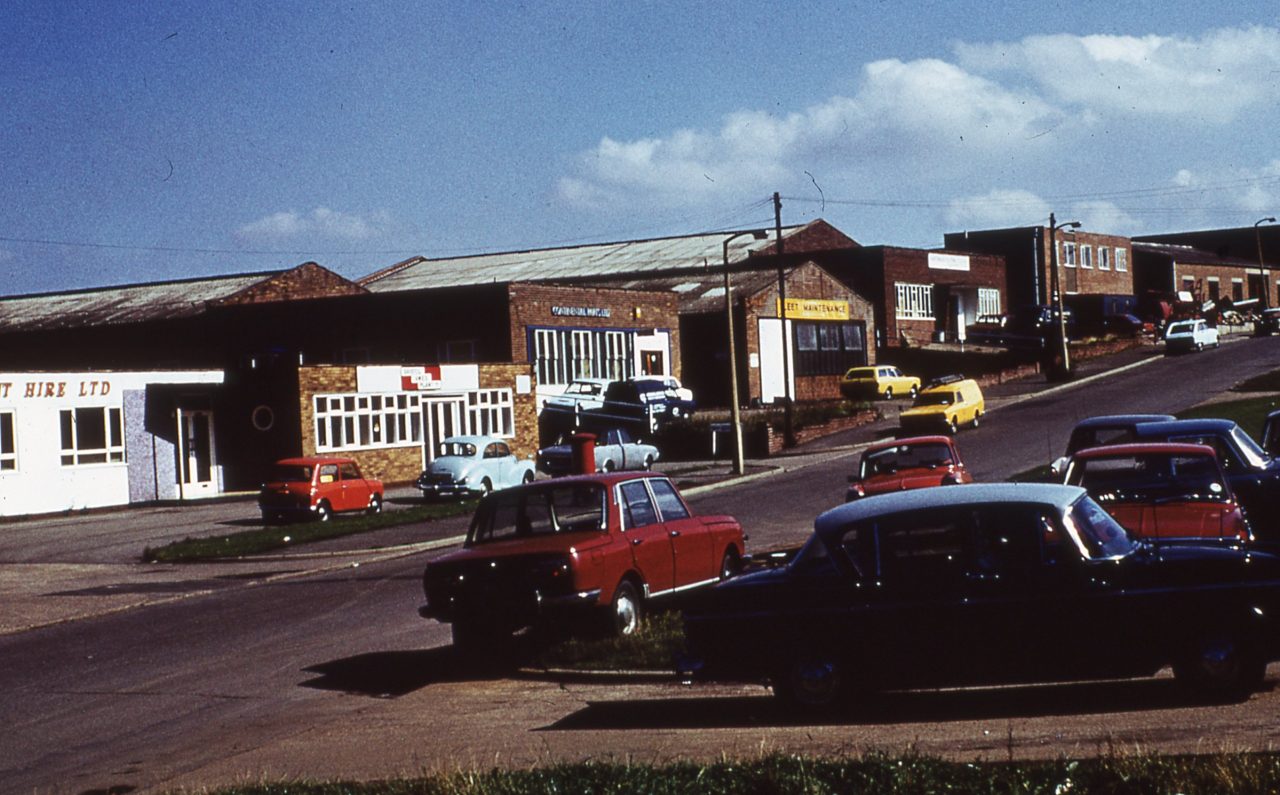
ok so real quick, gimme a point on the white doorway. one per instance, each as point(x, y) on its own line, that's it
point(771, 361)
point(442, 418)
point(197, 463)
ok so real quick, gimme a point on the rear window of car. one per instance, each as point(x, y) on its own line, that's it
point(457, 448)
point(291, 473)
point(515, 513)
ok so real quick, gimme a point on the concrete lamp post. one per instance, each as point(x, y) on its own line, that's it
point(738, 463)
point(1061, 324)
point(1262, 264)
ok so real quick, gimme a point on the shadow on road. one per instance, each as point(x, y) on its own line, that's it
point(888, 708)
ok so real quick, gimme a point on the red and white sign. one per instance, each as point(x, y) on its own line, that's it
point(420, 379)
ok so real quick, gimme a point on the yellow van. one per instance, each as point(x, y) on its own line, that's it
point(865, 383)
point(945, 404)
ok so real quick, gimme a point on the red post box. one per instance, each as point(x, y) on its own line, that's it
point(584, 453)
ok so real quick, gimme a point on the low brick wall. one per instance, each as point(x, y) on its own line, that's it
point(774, 440)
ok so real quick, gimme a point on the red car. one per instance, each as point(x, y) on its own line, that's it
point(1162, 490)
point(317, 487)
point(913, 463)
point(589, 546)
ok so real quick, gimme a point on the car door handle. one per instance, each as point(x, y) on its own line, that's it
point(674, 533)
point(635, 542)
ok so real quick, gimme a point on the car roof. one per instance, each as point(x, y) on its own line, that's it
point(1206, 425)
point(606, 479)
point(313, 460)
point(591, 381)
point(1145, 448)
point(1053, 494)
point(891, 443)
point(478, 441)
point(1107, 420)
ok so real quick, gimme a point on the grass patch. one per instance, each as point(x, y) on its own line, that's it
point(653, 648)
point(1267, 382)
point(1249, 413)
point(875, 774)
point(274, 537)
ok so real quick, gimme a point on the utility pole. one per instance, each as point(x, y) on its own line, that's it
point(788, 431)
point(1262, 263)
point(1061, 324)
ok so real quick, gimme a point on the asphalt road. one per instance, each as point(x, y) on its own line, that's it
point(279, 673)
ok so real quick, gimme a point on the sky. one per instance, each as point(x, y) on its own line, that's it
point(150, 141)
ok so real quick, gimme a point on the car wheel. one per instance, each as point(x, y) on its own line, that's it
point(1199, 347)
point(528, 477)
point(324, 512)
point(607, 466)
point(675, 412)
point(648, 463)
point(1220, 666)
point(625, 610)
point(888, 393)
point(730, 564)
point(976, 415)
point(915, 390)
point(811, 683)
point(375, 504)
point(953, 427)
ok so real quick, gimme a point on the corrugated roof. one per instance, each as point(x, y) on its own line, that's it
point(702, 293)
point(601, 260)
point(1189, 255)
point(115, 305)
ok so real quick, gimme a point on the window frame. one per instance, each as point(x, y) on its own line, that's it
point(74, 454)
point(8, 441)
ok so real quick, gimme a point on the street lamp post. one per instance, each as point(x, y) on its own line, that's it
point(739, 464)
point(1262, 264)
point(1054, 226)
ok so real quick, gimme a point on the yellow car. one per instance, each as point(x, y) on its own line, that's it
point(879, 381)
point(945, 404)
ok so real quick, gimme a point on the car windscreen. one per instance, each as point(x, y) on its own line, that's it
point(290, 473)
point(1255, 455)
point(890, 460)
point(935, 399)
point(463, 449)
point(1149, 478)
point(517, 513)
point(1098, 535)
point(583, 388)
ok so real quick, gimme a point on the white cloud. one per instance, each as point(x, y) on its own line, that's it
point(1213, 78)
point(997, 209)
point(319, 223)
point(928, 112)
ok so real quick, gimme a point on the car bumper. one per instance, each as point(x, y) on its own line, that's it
point(518, 609)
point(447, 490)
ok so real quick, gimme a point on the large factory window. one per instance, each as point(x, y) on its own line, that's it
point(92, 436)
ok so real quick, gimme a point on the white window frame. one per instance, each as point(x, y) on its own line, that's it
point(1086, 256)
point(367, 420)
point(491, 412)
point(914, 301)
point(73, 455)
point(8, 442)
point(549, 356)
point(988, 301)
point(1104, 258)
point(1122, 259)
point(1068, 254)
point(561, 354)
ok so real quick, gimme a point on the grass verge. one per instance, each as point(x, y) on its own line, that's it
point(1249, 413)
point(274, 537)
point(653, 648)
point(784, 774)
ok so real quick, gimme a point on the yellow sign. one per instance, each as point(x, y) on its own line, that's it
point(816, 309)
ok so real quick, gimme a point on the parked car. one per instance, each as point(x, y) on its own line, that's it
point(1162, 491)
point(642, 404)
point(1271, 433)
point(1102, 430)
point(582, 394)
point(1181, 336)
point(881, 381)
point(986, 584)
point(1267, 322)
point(577, 548)
point(913, 463)
point(317, 487)
point(1253, 474)
point(1026, 327)
point(472, 466)
point(945, 405)
point(1123, 325)
point(615, 450)
point(673, 386)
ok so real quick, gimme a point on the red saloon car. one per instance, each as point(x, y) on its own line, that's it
point(1162, 491)
point(317, 487)
point(912, 463)
point(590, 546)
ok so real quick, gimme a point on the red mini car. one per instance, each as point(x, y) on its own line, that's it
point(600, 546)
point(1164, 491)
point(317, 487)
point(913, 463)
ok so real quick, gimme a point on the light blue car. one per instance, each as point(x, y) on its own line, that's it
point(615, 451)
point(473, 466)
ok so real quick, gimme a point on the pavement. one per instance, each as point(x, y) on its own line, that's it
point(80, 579)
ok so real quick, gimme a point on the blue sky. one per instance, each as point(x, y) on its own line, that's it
point(150, 141)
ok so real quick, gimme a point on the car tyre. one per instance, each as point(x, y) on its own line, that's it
point(324, 512)
point(812, 683)
point(888, 393)
point(486, 487)
point(953, 427)
point(607, 466)
point(730, 564)
point(915, 390)
point(375, 504)
point(1220, 667)
point(626, 612)
point(648, 463)
point(528, 477)
point(976, 415)
point(1199, 347)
